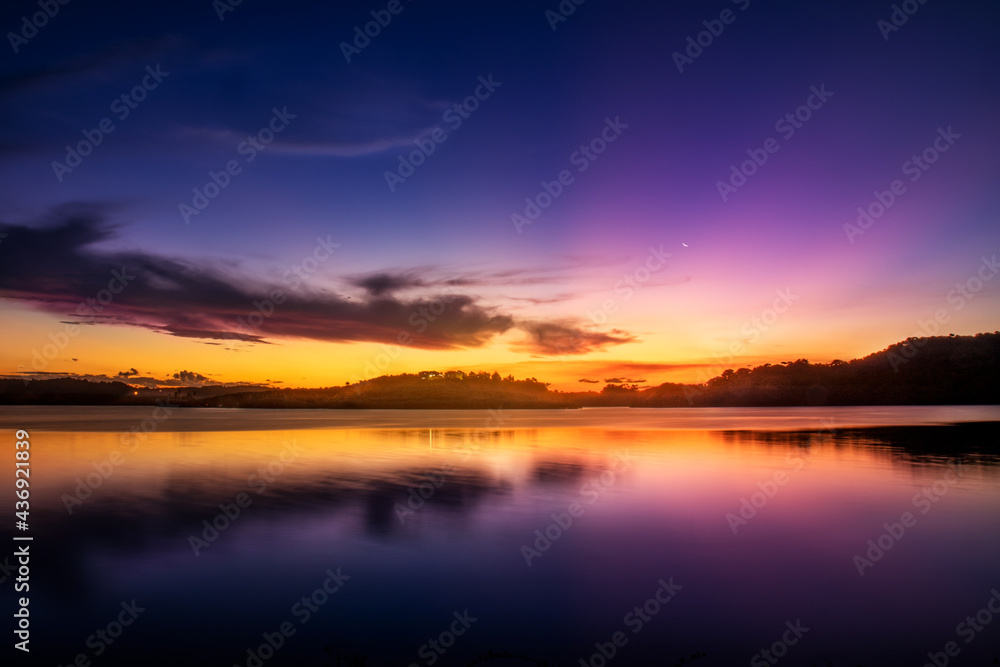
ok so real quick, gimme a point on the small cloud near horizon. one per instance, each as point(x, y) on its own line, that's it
point(180, 379)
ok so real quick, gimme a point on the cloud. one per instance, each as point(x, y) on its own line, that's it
point(228, 138)
point(383, 282)
point(345, 148)
point(89, 68)
point(364, 118)
point(118, 64)
point(367, 115)
point(559, 338)
point(378, 284)
point(59, 267)
point(189, 376)
point(535, 301)
point(42, 105)
point(127, 374)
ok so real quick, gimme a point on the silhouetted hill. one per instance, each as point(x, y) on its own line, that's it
point(62, 391)
point(426, 391)
point(941, 370)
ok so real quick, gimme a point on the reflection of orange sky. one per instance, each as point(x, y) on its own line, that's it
point(706, 469)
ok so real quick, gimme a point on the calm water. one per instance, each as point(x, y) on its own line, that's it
point(548, 534)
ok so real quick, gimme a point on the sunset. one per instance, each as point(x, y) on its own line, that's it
point(690, 201)
point(649, 256)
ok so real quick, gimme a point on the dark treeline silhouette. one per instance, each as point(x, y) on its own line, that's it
point(62, 391)
point(942, 370)
point(427, 390)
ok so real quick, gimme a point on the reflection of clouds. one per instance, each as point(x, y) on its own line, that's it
point(558, 472)
point(459, 492)
point(138, 525)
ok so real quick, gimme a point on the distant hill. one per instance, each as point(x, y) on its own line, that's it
point(941, 370)
point(426, 391)
point(62, 391)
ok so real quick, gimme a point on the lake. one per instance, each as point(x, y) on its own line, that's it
point(797, 536)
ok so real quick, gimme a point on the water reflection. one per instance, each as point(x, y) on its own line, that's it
point(429, 522)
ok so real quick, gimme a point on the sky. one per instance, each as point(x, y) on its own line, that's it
point(203, 192)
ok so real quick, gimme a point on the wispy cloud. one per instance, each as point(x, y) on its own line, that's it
point(227, 138)
point(559, 338)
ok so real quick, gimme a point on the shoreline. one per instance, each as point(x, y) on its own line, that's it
point(149, 419)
